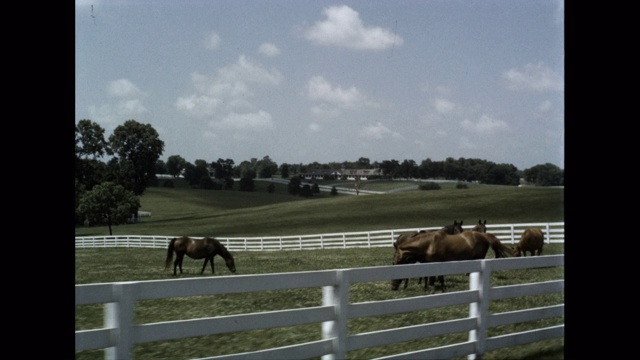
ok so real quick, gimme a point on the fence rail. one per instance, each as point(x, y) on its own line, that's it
point(509, 233)
point(120, 333)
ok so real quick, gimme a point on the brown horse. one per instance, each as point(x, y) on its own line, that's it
point(532, 240)
point(455, 228)
point(439, 246)
point(480, 226)
point(205, 248)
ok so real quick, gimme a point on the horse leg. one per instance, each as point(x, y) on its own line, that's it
point(178, 263)
point(204, 265)
point(406, 282)
point(212, 271)
point(441, 279)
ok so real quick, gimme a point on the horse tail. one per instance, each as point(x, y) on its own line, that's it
point(499, 248)
point(169, 253)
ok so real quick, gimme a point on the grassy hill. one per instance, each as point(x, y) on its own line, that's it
point(194, 212)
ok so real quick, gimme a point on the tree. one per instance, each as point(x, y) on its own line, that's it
point(90, 140)
point(223, 169)
point(197, 175)
point(294, 185)
point(247, 184)
point(137, 148)
point(284, 171)
point(306, 191)
point(544, 175)
point(108, 203)
point(266, 168)
point(175, 165)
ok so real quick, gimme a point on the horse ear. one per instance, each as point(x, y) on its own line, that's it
point(461, 222)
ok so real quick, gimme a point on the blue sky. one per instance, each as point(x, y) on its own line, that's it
point(304, 81)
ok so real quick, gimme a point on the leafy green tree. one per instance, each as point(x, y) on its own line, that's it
point(137, 147)
point(390, 168)
point(284, 171)
point(247, 184)
point(194, 174)
point(108, 203)
point(223, 169)
point(294, 185)
point(161, 167)
point(306, 191)
point(544, 175)
point(175, 165)
point(266, 168)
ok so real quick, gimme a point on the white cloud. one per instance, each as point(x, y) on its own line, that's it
point(321, 90)
point(197, 105)
point(248, 71)
point(123, 88)
point(257, 121)
point(231, 87)
point(443, 106)
point(127, 102)
point(545, 106)
point(466, 143)
point(533, 77)
point(378, 132)
point(314, 127)
point(269, 50)
point(485, 125)
point(212, 41)
point(343, 27)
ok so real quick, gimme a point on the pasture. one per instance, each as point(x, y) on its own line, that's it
point(190, 212)
point(128, 264)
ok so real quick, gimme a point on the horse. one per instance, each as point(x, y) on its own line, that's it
point(439, 246)
point(205, 248)
point(454, 228)
point(532, 240)
point(480, 226)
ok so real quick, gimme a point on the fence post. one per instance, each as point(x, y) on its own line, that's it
point(119, 318)
point(338, 297)
point(479, 281)
point(548, 234)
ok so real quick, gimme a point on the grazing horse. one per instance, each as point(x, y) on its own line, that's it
point(532, 240)
point(439, 246)
point(455, 228)
point(205, 248)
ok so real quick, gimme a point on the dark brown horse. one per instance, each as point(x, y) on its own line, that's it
point(439, 246)
point(455, 228)
point(205, 249)
point(480, 226)
point(532, 240)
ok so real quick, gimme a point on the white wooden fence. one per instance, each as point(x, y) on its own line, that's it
point(120, 333)
point(509, 233)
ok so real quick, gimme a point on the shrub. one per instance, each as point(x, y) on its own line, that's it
point(462, 186)
point(430, 186)
point(247, 184)
point(271, 188)
point(168, 184)
point(334, 191)
point(306, 191)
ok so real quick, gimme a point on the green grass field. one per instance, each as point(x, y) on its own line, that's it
point(183, 211)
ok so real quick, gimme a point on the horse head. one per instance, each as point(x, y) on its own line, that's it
point(230, 263)
point(456, 228)
point(480, 226)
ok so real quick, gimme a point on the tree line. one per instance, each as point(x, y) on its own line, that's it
point(107, 191)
